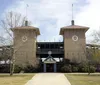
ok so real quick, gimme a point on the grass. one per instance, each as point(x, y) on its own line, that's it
point(83, 79)
point(16, 79)
point(75, 79)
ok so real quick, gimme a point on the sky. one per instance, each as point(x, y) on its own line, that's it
point(50, 15)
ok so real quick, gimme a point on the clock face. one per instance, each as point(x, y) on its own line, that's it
point(49, 52)
point(75, 38)
point(24, 38)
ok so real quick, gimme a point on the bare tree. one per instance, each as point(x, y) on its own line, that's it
point(96, 45)
point(88, 53)
point(96, 37)
point(11, 20)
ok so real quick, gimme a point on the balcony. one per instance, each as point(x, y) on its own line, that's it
point(54, 51)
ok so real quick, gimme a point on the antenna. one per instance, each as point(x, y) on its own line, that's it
point(72, 11)
point(26, 21)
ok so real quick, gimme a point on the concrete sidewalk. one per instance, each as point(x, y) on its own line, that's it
point(49, 79)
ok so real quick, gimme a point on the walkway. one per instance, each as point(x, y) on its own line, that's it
point(49, 79)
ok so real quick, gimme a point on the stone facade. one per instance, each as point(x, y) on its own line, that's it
point(74, 42)
point(74, 50)
point(25, 45)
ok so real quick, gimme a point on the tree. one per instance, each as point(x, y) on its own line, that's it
point(96, 46)
point(11, 20)
point(96, 37)
point(88, 53)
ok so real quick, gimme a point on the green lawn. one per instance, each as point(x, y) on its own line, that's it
point(16, 79)
point(84, 79)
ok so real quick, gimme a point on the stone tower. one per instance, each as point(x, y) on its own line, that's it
point(74, 42)
point(25, 45)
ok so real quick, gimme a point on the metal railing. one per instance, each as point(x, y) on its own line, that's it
point(43, 51)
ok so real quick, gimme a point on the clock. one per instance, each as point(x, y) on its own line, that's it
point(49, 52)
point(24, 38)
point(75, 38)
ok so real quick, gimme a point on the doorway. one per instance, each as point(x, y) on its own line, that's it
point(50, 68)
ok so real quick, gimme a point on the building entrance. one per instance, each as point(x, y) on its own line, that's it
point(50, 67)
point(49, 64)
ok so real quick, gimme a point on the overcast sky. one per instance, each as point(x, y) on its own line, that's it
point(50, 15)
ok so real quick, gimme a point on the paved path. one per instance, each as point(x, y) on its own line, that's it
point(49, 79)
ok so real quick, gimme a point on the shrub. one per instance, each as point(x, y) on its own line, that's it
point(4, 68)
point(74, 69)
point(66, 68)
point(30, 69)
point(17, 69)
point(97, 67)
point(86, 67)
point(83, 67)
point(91, 69)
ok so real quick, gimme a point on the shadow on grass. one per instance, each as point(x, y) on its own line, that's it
point(16, 75)
point(83, 74)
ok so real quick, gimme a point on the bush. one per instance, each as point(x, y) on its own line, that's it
point(17, 69)
point(30, 69)
point(92, 69)
point(86, 67)
point(74, 69)
point(97, 67)
point(66, 68)
point(4, 68)
point(83, 67)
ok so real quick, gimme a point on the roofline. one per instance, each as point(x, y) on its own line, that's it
point(62, 29)
point(24, 28)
